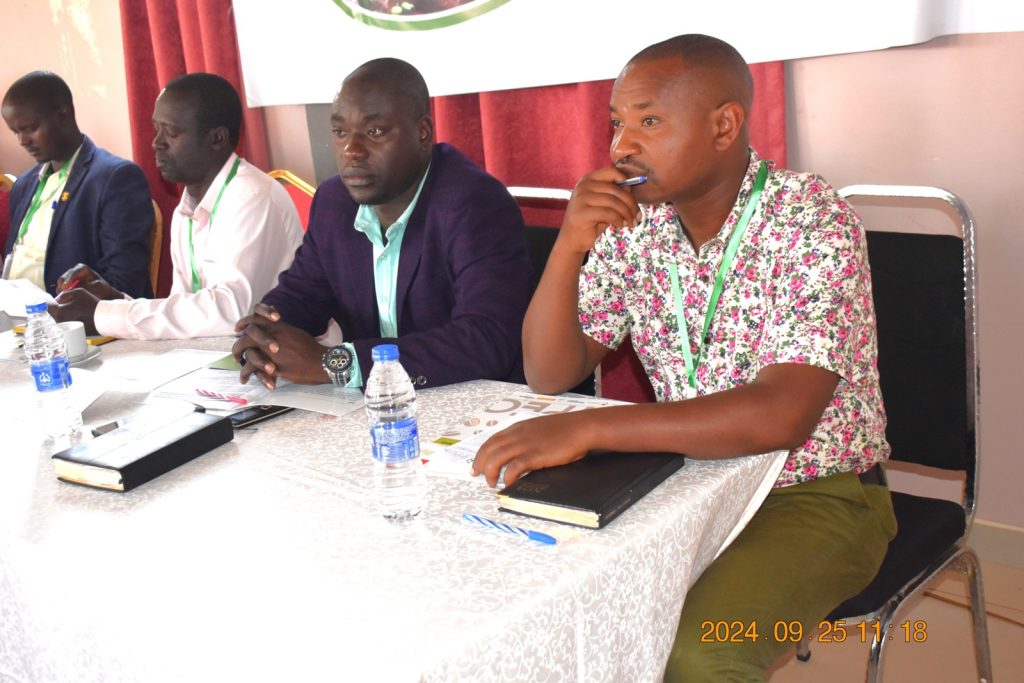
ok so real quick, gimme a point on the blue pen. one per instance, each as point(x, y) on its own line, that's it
point(509, 529)
point(630, 182)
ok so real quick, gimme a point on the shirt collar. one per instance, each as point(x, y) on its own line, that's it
point(368, 223)
point(741, 199)
point(189, 206)
point(659, 214)
point(47, 169)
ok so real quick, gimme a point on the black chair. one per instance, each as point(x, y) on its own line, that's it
point(923, 287)
point(539, 240)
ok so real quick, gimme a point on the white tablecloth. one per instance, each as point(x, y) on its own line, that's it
point(266, 560)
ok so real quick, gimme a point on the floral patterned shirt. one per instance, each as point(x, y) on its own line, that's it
point(798, 291)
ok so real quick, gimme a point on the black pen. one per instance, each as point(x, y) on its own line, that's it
point(629, 182)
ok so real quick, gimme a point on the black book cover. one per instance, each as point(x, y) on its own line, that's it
point(123, 459)
point(591, 491)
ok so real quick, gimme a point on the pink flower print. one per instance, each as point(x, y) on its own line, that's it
point(810, 471)
point(617, 306)
point(751, 274)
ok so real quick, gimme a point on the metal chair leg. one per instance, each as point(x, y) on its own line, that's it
point(982, 656)
point(876, 657)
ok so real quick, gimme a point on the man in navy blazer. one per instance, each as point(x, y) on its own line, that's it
point(92, 208)
point(411, 243)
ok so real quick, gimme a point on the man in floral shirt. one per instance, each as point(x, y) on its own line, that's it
point(785, 360)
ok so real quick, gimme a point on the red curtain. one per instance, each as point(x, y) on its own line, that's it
point(549, 137)
point(164, 39)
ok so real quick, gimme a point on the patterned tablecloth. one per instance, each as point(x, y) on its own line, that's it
point(266, 560)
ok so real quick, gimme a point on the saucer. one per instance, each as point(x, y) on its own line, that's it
point(85, 357)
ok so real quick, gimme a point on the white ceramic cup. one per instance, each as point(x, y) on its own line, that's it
point(74, 338)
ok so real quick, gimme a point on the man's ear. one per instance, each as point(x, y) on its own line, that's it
point(65, 115)
point(218, 138)
point(728, 119)
point(425, 130)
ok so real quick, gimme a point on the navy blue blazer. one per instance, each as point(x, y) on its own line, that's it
point(463, 277)
point(103, 219)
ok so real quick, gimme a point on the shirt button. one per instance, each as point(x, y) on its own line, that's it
point(420, 381)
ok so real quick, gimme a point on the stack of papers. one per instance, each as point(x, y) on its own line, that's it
point(201, 385)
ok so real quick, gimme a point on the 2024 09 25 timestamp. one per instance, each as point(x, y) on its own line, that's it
point(723, 631)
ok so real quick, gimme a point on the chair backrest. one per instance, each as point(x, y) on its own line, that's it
point(156, 242)
point(923, 289)
point(6, 182)
point(299, 190)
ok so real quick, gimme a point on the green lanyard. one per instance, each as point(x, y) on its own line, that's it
point(716, 292)
point(209, 226)
point(37, 198)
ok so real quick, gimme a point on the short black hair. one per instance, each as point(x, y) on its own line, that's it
point(401, 76)
point(44, 89)
point(706, 52)
point(217, 102)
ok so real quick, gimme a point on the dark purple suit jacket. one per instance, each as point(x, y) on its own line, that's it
point(463, 277)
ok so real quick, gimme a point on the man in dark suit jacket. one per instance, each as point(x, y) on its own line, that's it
point(411, 244)
point(92, 208)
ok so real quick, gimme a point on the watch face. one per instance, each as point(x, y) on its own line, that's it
point(338, 359)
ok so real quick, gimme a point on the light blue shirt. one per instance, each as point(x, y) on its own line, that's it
point(385, 269)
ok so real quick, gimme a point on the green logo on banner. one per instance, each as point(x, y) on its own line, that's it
point(415, 15)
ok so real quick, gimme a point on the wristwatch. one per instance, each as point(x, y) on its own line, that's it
point(337, 364)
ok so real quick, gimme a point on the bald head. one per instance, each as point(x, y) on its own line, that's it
point(398, 78)
point(715, 65)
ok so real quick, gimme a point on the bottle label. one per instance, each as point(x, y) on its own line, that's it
point(52, 374)
point(395, 441)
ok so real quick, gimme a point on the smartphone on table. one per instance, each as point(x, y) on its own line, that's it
point(254, 414)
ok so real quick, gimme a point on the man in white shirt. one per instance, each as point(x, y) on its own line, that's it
point(234, 230)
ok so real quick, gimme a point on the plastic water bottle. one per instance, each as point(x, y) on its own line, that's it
point(391, 408)
point(48, 358)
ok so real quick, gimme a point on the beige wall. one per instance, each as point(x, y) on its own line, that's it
point(946, 113)
point(81, 41)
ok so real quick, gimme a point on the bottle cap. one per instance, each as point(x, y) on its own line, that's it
point(383, 352)
point(36, 308)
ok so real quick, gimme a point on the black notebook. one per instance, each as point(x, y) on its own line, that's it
point(122, 459)
point(591, 491)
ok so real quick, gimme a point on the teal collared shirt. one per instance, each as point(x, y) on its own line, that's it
point(385, 269)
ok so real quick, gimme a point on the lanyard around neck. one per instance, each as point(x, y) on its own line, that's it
point(730, 251)
point(37, 198)
point(209, 226)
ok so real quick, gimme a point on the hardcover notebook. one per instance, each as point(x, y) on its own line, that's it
point(591, 491)
point(122, 459)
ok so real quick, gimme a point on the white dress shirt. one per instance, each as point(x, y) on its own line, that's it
point(253, 237)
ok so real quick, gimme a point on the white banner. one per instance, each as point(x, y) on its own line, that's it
point(298, 51)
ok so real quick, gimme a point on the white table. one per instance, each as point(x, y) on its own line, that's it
point(266, 560)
